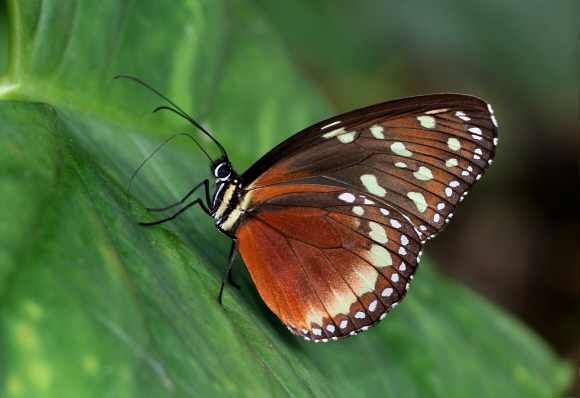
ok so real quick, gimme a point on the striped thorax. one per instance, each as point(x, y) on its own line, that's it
point(227, 205)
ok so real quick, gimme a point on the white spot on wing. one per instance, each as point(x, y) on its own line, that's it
point(346, 197)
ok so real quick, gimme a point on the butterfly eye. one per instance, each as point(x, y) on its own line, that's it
point(223, 171)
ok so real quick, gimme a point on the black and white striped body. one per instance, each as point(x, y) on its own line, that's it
point(227, 202)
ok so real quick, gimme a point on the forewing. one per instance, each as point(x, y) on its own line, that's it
point(420, 155)
point(329, 262)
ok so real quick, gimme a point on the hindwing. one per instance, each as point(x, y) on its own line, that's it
point(328, 262)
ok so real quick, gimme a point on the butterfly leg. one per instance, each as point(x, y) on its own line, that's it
point(198, 201)
point(234, 250)
point(204, 183)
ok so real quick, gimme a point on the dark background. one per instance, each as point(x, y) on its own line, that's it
point(516, 237)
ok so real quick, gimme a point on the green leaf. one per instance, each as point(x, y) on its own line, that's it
point(92, 304)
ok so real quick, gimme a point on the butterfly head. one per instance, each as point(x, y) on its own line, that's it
point(222, 169)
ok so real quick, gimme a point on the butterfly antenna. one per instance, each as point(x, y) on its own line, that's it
point(154, 152)
point(177, 110)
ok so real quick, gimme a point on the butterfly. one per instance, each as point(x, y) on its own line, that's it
point(331, 223)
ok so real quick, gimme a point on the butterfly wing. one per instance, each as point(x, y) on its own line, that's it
point(333, 213)
point(328, 267)
point(421, 153)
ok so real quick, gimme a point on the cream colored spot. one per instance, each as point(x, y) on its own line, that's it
point(401, 165)
point(371, 184)
point(330, 125)
point(381, 256)
point(423, 174)
point(333, 133)
point(343, 296)
point(377, 132)
point(378, 233)
point(419, 200)
point(359, 211)
point(346, 137)
point(453, 144)
point(451, 162)
point(399, 149)
point(427, 121)
point(436, 111)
